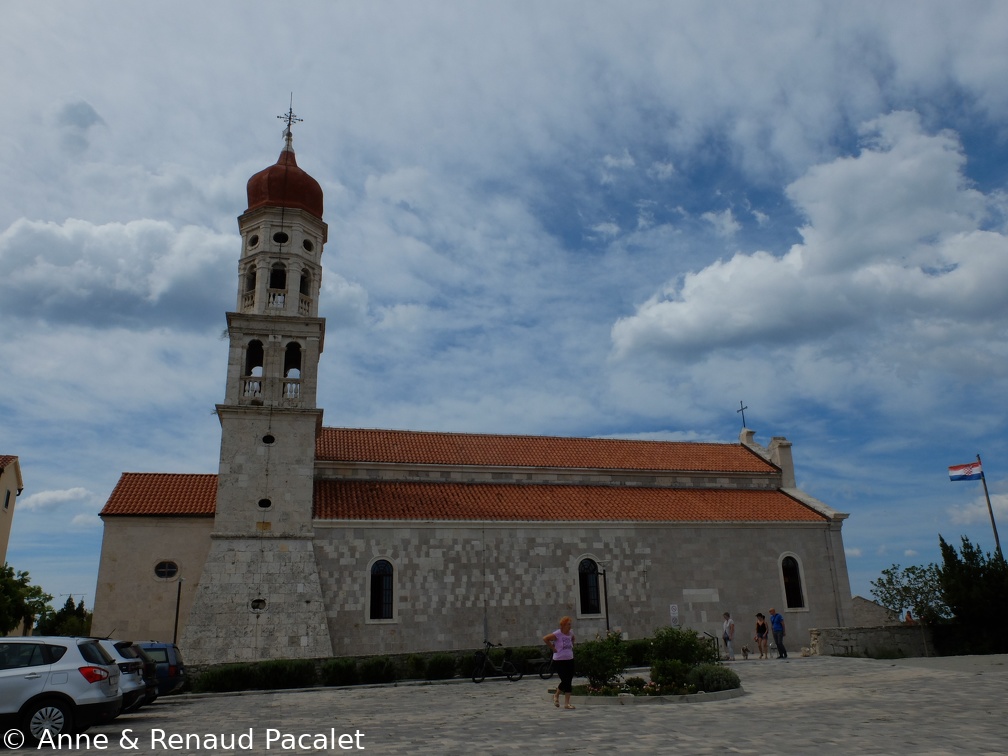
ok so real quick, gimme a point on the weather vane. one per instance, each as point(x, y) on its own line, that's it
point(291, 119)
point(742, 408)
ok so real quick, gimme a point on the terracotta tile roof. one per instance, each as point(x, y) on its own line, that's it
point(192, 495)
point(420, 447)
point(397, 500)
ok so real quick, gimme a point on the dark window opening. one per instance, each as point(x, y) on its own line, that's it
point(280, 237)
point(166, 570)
point(278, 277)
point(792, 583)
point(305, 284)
point(381, 590)
point(292, 360)
point(250, 278)
point(265, 503)
point(254, 358)
point(588, 585)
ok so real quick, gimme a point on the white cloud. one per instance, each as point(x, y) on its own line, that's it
point(724, 222)
point(49, 500)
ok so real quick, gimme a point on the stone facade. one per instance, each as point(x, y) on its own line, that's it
point(884, 642)
point(453, 581)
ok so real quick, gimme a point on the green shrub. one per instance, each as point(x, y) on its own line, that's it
point(634, 684)
point(638, 652)
point(416, 667)
point(670, 674)
point(440, 667)
point(340, 672)
point(602, 660)
point(378, 669)
point(274, 674)
point(682, 644)
point(713, 677)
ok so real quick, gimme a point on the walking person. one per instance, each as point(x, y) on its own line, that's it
point(561, 642)
point(728, 633)
point(762, 631)
point(777, 625)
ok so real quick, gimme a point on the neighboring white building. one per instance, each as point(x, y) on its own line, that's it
point(315, 541)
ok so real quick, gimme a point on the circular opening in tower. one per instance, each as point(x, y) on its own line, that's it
point(265, 503)
point(253, 241)
point(268, 439)
point(165, 570)
point(307, 245)
point(280, 237)
point(257, 605)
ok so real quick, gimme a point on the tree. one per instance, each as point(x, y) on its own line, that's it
point(72, 619)
point(20, 601)
point(918, 589)
point(975, 586)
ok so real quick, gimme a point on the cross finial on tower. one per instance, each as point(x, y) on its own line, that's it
point(291, 119)
point(742, 408)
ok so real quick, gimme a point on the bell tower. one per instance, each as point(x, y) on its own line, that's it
point(259, 596)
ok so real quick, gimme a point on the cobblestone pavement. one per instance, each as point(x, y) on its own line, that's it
point(795, 706)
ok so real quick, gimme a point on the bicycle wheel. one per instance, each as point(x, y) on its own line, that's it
point(513, 673)
point(479, 671)
point(546, 670)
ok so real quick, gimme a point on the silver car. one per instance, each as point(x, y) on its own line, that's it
point(131, 680)
point(55, 685)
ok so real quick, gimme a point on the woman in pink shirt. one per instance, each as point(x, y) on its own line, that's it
point(562, 643)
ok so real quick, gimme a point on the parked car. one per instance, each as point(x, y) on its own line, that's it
point(54, 685)
point(170, 667)
point(149, 673)
point(131, 673)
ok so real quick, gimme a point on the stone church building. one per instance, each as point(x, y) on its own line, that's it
point(314, 541)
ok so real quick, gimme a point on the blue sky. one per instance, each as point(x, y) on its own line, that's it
point(564, 218)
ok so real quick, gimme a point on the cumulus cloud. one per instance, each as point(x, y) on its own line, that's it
point(54, 499)
point(115, 273)
point(893, 250)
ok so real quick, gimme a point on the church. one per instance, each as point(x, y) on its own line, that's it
point(315, 541)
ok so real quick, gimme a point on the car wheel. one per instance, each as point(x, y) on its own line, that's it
point(53, 717)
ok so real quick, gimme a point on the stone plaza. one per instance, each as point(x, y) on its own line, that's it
point(810, 705)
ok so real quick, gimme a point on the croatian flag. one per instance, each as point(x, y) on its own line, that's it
point(972, 471)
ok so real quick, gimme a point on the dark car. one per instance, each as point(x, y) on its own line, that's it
point(169, 664)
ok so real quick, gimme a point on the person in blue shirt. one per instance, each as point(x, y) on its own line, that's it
point(777, 626)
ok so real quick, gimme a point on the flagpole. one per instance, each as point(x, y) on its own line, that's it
point(990, 510)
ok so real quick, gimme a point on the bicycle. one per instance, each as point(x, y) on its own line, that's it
point(485, 666)
point(543, 666)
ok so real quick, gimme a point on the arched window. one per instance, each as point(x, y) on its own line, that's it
point(250, 278)
point(292, 371)
point(254, 357)
point(381, 590)
point(588, 587)
point(277, 285)
point(305, 283)
point(252, 380)
point(791, 573)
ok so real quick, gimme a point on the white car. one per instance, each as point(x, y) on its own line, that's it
point(54, 685)
point(131, 680)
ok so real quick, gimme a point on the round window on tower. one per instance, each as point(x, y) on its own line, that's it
point(253, 241)
point(280, 237)
point(268, 439)
point(265, 503)
point(307, 245)
point(165, 570)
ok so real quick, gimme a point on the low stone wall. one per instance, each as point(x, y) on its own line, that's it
point(890, 641)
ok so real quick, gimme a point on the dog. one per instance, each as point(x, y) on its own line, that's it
point(745, 652)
